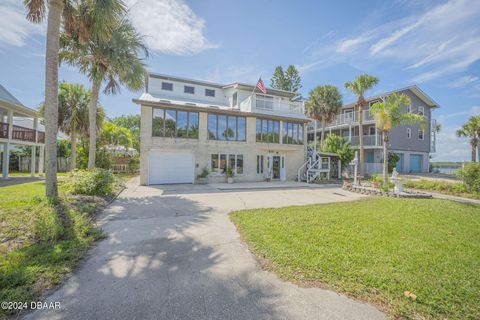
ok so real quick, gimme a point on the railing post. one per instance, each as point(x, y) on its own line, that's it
point(376, 136)
point(10, 124)
point(35, 128)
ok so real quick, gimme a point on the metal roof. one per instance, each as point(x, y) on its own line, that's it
point(6, 96)
point(10, 101)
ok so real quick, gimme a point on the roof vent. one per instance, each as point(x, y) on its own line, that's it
point(190, 104)
point(165, 101)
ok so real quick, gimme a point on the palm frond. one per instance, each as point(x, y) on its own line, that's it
point(36, 10)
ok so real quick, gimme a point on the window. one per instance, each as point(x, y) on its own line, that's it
point(222, 127)
point(167, 86)
point(234, 99)
point(174, 123)
point(292, 133)
point(189, 89)
point(259, 164)
point(214, 166)
point(268, 131)
point(209, 92)
point(263, 102)
point(371, 131)
point(421, 110)
point(409, 133)
point(420, 134)
point(235, 162)
point(409, 108)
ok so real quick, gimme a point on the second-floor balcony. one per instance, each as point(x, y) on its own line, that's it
point(21, 133)
point(368, 140)
point(345, 119)
point(272, 105)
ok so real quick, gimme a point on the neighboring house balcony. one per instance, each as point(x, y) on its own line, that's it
point(272, 105)
point(344, 119)
point(20, 133)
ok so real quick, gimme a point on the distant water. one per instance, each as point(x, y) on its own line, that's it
point(446, 170)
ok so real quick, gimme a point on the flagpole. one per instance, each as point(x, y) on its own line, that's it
point(255, 86)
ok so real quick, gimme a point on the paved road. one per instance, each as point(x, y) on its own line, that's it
point(172, 253)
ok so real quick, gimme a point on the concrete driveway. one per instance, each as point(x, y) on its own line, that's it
point(172, 253)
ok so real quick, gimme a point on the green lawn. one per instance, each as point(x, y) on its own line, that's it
point(37, 245)
point(376, 249)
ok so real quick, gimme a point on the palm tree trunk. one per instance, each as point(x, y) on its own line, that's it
point(73, 153)
point(360, 139)
point(55, 8)
point(385, 157)
point(474, 152)
point(322, 136)
point(92, 127)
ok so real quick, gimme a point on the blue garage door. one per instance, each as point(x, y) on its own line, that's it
point(416, 163)
point(400, 163)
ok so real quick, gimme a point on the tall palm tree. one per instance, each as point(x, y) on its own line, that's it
point(471, 129)
point(323, 104)
point(114, 61)
point(388, 115)
point(36, 11)
point(359, 86)
point(59, 10)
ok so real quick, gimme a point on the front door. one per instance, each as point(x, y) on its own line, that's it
point(276, 167)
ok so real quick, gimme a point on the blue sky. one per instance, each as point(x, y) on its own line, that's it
point(435, 44)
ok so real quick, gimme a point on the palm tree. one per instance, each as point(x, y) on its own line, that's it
point(323, 104)
point(471, 129)
point(359, 86)
point(388, 115)
point(73, 102)
point(114, 60)
point(59, 10)
point(36, 11)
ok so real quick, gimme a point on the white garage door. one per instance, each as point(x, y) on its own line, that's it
point(170, 167)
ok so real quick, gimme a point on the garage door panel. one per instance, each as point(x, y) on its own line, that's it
point(170, 167)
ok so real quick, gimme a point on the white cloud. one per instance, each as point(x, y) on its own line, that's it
point(170, 26)
point(463, 81)
point(475, 110)
point(349, 45)
point(449, 147)
point(14, 27)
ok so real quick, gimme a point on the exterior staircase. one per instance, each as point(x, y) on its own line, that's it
point(313, 167)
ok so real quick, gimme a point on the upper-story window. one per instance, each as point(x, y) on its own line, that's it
point(268, 131)
point(421, 134)
point(174, 123)
point(263, 102)
point(223, 127)
point(292, 133)
point(167, 86)
point(409, 108)
point(371, 131)
point(189, 89)
point(209, 92)
point(421, 110)
point(409, 133)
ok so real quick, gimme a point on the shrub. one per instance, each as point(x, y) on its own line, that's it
point(96, 182)
point(134, 164)
point(340, 146)
point(203, 174)
point(470, 175)
point(393, 158)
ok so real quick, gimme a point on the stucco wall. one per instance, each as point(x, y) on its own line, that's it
point(202, 149)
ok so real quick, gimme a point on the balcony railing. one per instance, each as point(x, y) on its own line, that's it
point(3, 130)
point(349, 118)
point(21, 133)
point(272, 105)
point(368, 140)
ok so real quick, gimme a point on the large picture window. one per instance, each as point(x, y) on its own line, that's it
point(292, 133)
point(227, 161)
point(267, 131)
point(223, 127)
point(174, 123)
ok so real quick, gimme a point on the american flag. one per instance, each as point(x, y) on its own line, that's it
point(261, 86)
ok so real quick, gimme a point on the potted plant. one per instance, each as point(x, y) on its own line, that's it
point(229, 173)
point(202, 178)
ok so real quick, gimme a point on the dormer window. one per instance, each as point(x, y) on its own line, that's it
point(167, 86)
point(409, 108)
point(189, 89)
point(209, 93)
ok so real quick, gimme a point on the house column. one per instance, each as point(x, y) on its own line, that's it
point(32, 160)
point(6, 147)
point(35, 127)
point(350, 133)
point(376, 136)
point(339, 169)
point(41, 159)
point(280, 130)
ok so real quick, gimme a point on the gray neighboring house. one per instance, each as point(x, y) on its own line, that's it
point(19, 126)
point(412, 144)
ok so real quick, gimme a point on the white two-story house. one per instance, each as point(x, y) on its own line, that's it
point(188, 125)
